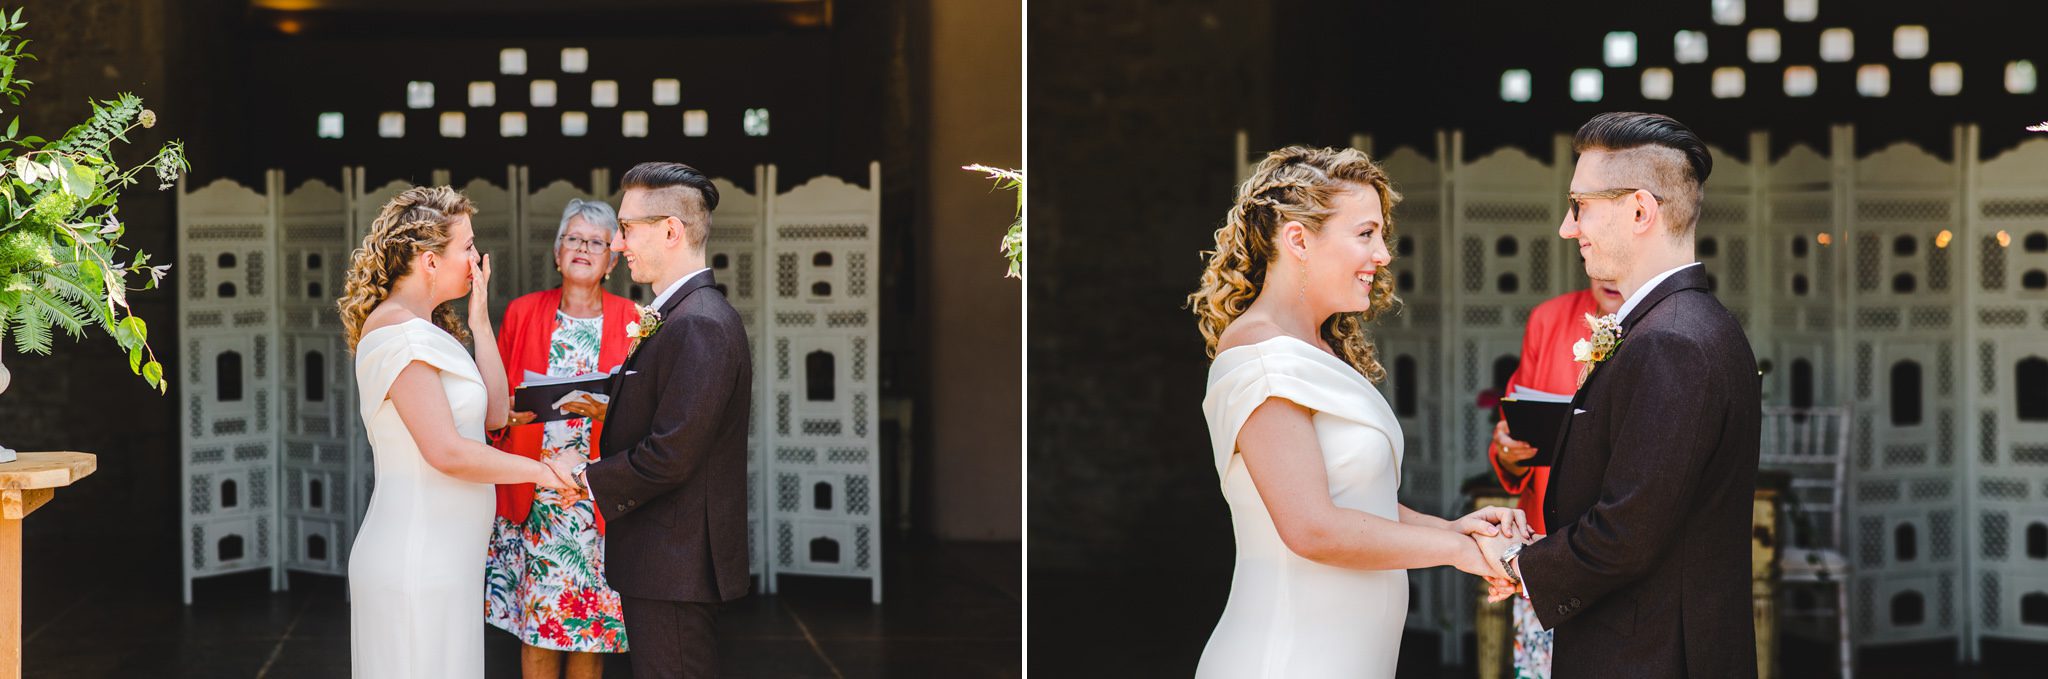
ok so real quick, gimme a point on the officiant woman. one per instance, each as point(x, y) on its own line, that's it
point(545, 570)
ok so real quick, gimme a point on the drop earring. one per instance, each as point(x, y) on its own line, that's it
point(1303, 292)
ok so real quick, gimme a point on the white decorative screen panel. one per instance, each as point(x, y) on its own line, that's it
point(226, 289)
point(318, 381)
point(821, 310)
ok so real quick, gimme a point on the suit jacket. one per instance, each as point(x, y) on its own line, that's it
point(1646, 569)
point(672, 479)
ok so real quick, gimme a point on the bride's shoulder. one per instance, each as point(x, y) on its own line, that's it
point(384, 316)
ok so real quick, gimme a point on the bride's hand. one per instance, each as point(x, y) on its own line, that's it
point(480, 290)
point(560, 475)
point(1494, 522)
point(1483, 559)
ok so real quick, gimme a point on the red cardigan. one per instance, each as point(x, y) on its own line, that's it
point(1546, 365)
point(523, 341)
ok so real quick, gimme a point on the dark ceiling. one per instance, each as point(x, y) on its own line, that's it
point(1403, 70)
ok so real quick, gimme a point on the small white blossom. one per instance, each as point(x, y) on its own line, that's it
point(1606, 337)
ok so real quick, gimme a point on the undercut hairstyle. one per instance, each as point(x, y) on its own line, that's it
point(679, 190)
point(1653, 152)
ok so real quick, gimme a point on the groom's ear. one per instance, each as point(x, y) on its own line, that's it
point(674, 231)
point(1647, 211)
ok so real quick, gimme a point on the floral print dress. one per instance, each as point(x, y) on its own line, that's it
point(544, 580)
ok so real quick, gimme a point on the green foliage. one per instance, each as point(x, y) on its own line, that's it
point(60, 252)
point(1012, 245)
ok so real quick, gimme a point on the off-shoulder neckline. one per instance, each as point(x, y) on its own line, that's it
point(399, 324)
point(1333, 359)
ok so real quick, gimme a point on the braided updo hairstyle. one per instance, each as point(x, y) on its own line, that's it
point(1296, 184)
point(416, 220)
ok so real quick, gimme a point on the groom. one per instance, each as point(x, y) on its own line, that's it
point(1646, 570)
point(671, 480)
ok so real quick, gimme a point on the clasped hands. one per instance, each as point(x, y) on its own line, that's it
point(1492, 530)
point(562, 477)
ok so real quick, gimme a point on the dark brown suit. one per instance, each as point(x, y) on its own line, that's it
point(1645, 572)
point(671, 482)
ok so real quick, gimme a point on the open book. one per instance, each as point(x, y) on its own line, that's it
point(544, 395)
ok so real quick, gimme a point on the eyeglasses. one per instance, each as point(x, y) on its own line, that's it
point(584, 245)
point(650, 219)
point(1573, 198)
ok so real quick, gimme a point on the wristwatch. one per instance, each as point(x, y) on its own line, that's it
point(581, 480)
point(1507, 562)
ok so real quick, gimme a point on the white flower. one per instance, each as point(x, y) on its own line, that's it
point(633, 329)
point(1606, 336)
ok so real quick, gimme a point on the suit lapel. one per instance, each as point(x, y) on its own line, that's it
point(1688, 278)
point(667, 311)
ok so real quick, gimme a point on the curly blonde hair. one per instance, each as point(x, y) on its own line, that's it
point(416, 220)
point(1293, 184)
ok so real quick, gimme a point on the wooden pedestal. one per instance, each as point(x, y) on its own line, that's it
point(26, 484)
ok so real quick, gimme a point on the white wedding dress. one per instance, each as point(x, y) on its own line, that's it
point(1288, 616)
point(416, 572)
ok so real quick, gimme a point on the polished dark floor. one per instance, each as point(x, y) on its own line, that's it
point(1155, 624)
point(950, 610)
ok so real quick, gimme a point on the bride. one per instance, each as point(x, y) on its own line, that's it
point(1308, 452)
point(415, 574)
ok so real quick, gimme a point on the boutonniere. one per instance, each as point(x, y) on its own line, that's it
point(650, 321)
point(1591, 351)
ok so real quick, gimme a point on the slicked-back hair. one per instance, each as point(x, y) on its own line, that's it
point(1655, 152)
point(657, 176)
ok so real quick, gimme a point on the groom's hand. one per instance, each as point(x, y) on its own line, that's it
point(1498, 590)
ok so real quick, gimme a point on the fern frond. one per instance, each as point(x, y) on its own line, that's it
point(61, 312)
point(90, 296)
point(31, 330)
point(106, 124)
